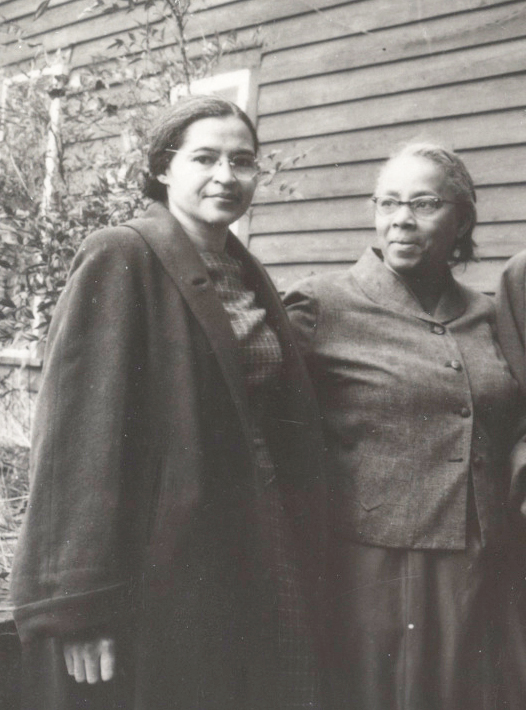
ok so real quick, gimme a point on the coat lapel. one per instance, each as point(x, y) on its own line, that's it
point(163, 234)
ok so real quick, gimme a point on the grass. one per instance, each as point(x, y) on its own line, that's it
point(14, 490)
point(16, 407)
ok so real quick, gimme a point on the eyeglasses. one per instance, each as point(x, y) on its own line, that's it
point(243, 167)
point(419, 206)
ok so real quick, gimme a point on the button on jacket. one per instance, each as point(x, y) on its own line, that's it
point(412, 405)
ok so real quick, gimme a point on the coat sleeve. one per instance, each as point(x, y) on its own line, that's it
point(70, 570)
point(302, 310)
point(511, 324)
point(511, 316)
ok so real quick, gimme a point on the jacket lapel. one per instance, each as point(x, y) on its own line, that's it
point(384, 286)
point(163, 234)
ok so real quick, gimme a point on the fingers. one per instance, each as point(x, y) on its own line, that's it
point(90, 661)
point(68, 657)
point(107, 659)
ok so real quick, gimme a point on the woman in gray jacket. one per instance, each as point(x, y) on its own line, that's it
point(418, 406)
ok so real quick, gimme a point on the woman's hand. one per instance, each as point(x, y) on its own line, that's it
point(90, 661)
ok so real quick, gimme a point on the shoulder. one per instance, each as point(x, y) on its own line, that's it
point(511, 292)
point(480, 310)
point(516, 266)
point(471, 295)
point(322, 288)
point(310, 301)
point(110, 253)
point(112, 266)
point(476, 302)
point(112, 241)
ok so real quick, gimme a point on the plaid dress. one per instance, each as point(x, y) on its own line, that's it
point(297, 684)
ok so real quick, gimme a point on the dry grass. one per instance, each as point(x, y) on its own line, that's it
point(14, 489)
point(16, 406)
point(17, 397)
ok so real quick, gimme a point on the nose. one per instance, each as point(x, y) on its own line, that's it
point(404, 214)
point(223, 171)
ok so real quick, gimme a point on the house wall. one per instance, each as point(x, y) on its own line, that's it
point(340, 85)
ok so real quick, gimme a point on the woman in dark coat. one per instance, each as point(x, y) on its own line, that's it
point(419, 409)
point(175, 458)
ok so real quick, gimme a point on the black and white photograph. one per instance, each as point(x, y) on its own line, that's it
point(262, 354)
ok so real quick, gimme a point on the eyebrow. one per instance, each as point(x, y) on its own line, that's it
point(245, 151)
point(421, 193)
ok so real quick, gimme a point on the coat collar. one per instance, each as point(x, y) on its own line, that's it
point(179, 257)
point(384, 286)
point(165, 236)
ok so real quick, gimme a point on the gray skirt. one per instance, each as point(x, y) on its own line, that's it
point(415, 629)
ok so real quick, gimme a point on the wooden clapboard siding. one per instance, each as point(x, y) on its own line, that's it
point(312, 247)
point(496, 240)
point(362, 19)
point(341, 85)
point(504, 203)
point(66, 24)
point(461, 65)
point(378, 45)
point(341, 104)
point(426, 104)
point(488, 130)
point(487, 167)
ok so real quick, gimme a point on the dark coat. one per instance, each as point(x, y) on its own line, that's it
point(148, 517)
point(511, 315)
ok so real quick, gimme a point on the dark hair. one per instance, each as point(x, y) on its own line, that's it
point(460, 182)
point(169, 132)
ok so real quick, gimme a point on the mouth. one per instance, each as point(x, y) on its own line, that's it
point(405, 243)
point(225, 197)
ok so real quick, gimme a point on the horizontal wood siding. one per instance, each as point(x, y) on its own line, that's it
point(453, 74)
point(342, 84)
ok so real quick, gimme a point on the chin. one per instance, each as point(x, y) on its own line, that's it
point(222, 219)
point(404, 267)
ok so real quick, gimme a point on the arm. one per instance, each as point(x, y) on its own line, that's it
point(517, 479)
point(302, 310)
point(69, 573)
point(511, 317)
point(511, 323)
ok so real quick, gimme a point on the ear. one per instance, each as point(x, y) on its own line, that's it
point(162, 178)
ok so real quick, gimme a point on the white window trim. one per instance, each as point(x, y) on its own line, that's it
point(26, 355)
point(56, 70)
point(240, 80)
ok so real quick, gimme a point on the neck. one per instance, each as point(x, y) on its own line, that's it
point(205, 237)
point(427, 288)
